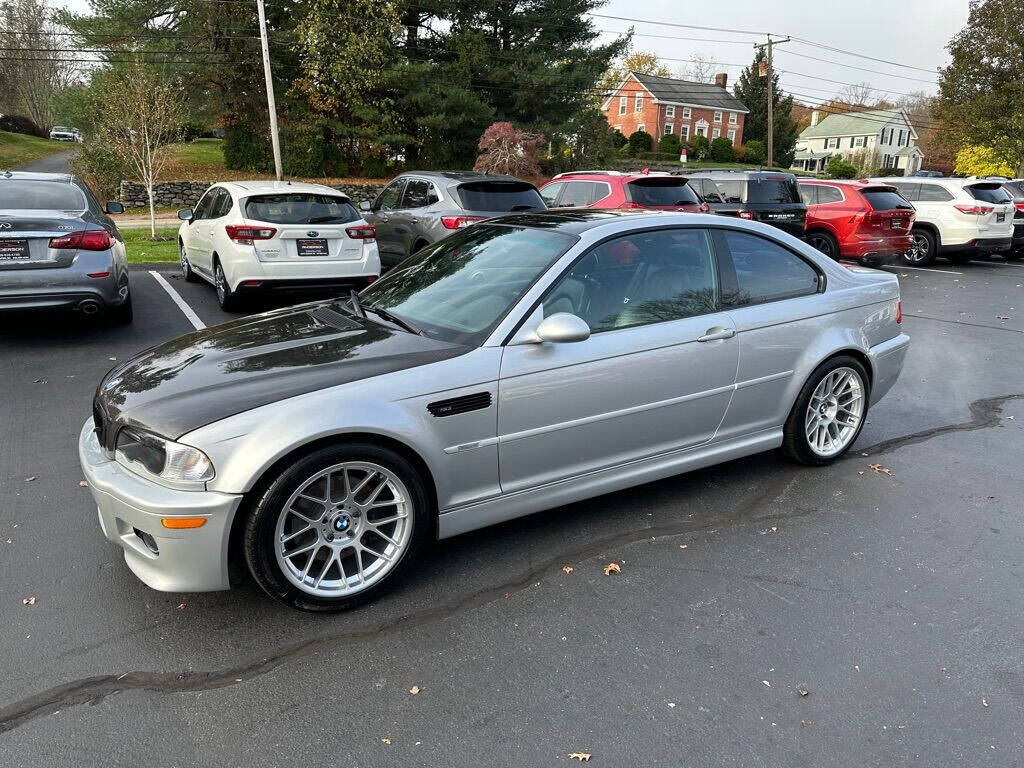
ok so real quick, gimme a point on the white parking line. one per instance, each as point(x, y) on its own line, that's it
point(176, 298)
point(923, 269)
point(995, 264)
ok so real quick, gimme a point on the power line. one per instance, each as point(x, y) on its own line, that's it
point(862, 69)
point(676, 24)
point(862, 56)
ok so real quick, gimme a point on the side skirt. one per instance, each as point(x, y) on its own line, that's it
point(458, 520)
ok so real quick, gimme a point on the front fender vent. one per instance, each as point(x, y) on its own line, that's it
point(457, 405)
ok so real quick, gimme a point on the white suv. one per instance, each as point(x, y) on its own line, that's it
point(255, 236)
point(960, 219)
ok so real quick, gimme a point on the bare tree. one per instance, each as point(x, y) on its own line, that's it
point(858, 95)
point(701, 69)
point(140, 113)
point(35, 61)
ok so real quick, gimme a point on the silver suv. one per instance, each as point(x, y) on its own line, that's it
point(419, 208)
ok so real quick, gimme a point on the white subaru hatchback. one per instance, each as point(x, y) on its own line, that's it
point(250, 237)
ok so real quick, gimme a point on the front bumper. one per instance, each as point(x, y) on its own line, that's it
point(187, 560)
point(886, 364)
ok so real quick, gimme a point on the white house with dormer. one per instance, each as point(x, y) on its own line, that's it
point(887, 132)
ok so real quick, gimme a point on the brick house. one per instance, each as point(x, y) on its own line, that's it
point(661, 105)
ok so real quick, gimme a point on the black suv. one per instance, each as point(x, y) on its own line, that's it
point(770, 197)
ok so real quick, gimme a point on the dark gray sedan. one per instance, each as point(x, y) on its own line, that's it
point(59, 248)
point(419, 208)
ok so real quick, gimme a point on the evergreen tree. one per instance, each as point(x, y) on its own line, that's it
point(752, 90)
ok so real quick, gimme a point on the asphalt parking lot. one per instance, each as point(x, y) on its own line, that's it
point(765, 613)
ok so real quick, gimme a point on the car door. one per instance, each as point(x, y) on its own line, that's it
point(381, 210)
point(772, 295)
point(655, 376)
point(419, 194)
point(199, 233)
point(832, 210)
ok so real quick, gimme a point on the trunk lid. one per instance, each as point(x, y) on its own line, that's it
point(25, 239)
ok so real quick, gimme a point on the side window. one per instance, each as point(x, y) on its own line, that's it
point(205, 206)
point(388, 199)
point(933, 193)
point(577, 194)
point(222, 205)
point(710, 191)
point(418, 194)
point(550, 193)
point(809, 194)
point(909, 191)
point(765, 271)
point(647, 277)
point(829, 195)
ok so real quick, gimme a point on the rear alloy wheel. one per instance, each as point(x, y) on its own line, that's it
point(829, 412)
point(186, 268)
point(922, 252)
point(825, 243)
point(337, 527)
point(227, 298)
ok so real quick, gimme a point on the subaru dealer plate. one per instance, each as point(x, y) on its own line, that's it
point(317, 247)
point(1000, 218)
point(14, 250)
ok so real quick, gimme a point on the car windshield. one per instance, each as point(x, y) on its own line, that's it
point(503, 196)
point(661, 192)
point(300, 208)
point(460, 288)
point(989, 193)
point(40, 196)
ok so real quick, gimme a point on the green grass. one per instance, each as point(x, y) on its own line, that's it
point(17, 148)
point(142, 248)
point(202, 151)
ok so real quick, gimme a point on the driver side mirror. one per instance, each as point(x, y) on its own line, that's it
point(365, 205)
point(114, 207)
point(185, 214)
point(559, 328)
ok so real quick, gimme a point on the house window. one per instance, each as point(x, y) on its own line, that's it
point(618, 128)
point(670, 112)
point(684, 132)
point(718, 117)
point(732, 136)
point(860, 141)
point(622, 104)
point(638, 106)
point(832, 143)
point(668, 128)
point(732, 118)
point(640, 127)
point(716, 132)
point(686, 113)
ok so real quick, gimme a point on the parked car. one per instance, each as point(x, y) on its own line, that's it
point(59, 248)
point(253, 237)
point(766, 196)
point(63, 133)
point(419, 208)
point(930, 174)
point(325, 443)
point(959, 219)
point(856, 220)
point(1015, 188)
point(614, 189)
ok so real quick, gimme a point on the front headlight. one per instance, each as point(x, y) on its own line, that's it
point(163, 459)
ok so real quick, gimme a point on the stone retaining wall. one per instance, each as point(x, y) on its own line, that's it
point(185, 194)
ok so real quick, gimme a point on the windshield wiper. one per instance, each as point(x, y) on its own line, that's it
point(399, 321)
point(357, 308)
point(322, 219)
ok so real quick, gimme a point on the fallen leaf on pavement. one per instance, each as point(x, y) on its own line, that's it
point(83, 484)
point(414, 690)
point(114, 358)
point(1003, 317)
point(612, 568)
point(671, 705)
point(583, 757)
point(30, 478)
point(984, 703)
point(860, 471)
point(879, 469)
point(38, 381)
point(32, 601)
point(181, 606)
point(775, 529)
point(568, 568)
point(767, 684)
point(683, 546)
point(803, 691)
point(8, 541)
point(385, 740)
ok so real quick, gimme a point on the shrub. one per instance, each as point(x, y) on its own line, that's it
point(755, 152)
point(721, 150)
point(669, 145)
point(619, 139)
point(698, 148)
point(838, 168)
point(101, 168)
point(641, 141)
point(506, 149)
point(982, 161)
point(21, 124)
point(247, 150)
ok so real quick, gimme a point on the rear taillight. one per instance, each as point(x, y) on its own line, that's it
point(632, 206)
point(899, 312)
point(458, 222)
point(975, 210)
point(84, 240)
point(1019, 206)
point(244, 234)
point(362, 232)
point(749, 215)
point(704, 208)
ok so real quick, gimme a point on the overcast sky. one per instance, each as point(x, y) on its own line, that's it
point(909, 32)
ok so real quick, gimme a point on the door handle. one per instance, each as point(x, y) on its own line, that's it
point(382, 218)
point(413, 220)
point(717, 333)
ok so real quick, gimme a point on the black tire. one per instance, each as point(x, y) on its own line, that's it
point(227, 298)
point(1014, 255)
point(824, 242)
point(794, 443)
point(926, 248)
point(419, 246)
point(121, 314)
point(186, 267)
point(260, 526)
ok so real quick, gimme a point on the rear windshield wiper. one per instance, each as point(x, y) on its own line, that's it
point(322, 219)
point(399, 321)
point(523, 208)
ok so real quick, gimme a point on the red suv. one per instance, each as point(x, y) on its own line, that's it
point(857, 219)
point(613, 189)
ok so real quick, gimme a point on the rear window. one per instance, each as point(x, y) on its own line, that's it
point(989, 193)
point(504, 196)
point(300, 208)
point(661, 192)
point(773, 191)
point(884, 200)
point(1015, 188)
point(22, 195)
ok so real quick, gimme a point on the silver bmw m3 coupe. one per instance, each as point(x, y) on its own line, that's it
point(525, 362)
point(59, 248)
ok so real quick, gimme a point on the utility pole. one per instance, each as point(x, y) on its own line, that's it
point(275, 140)
point(771, 96)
